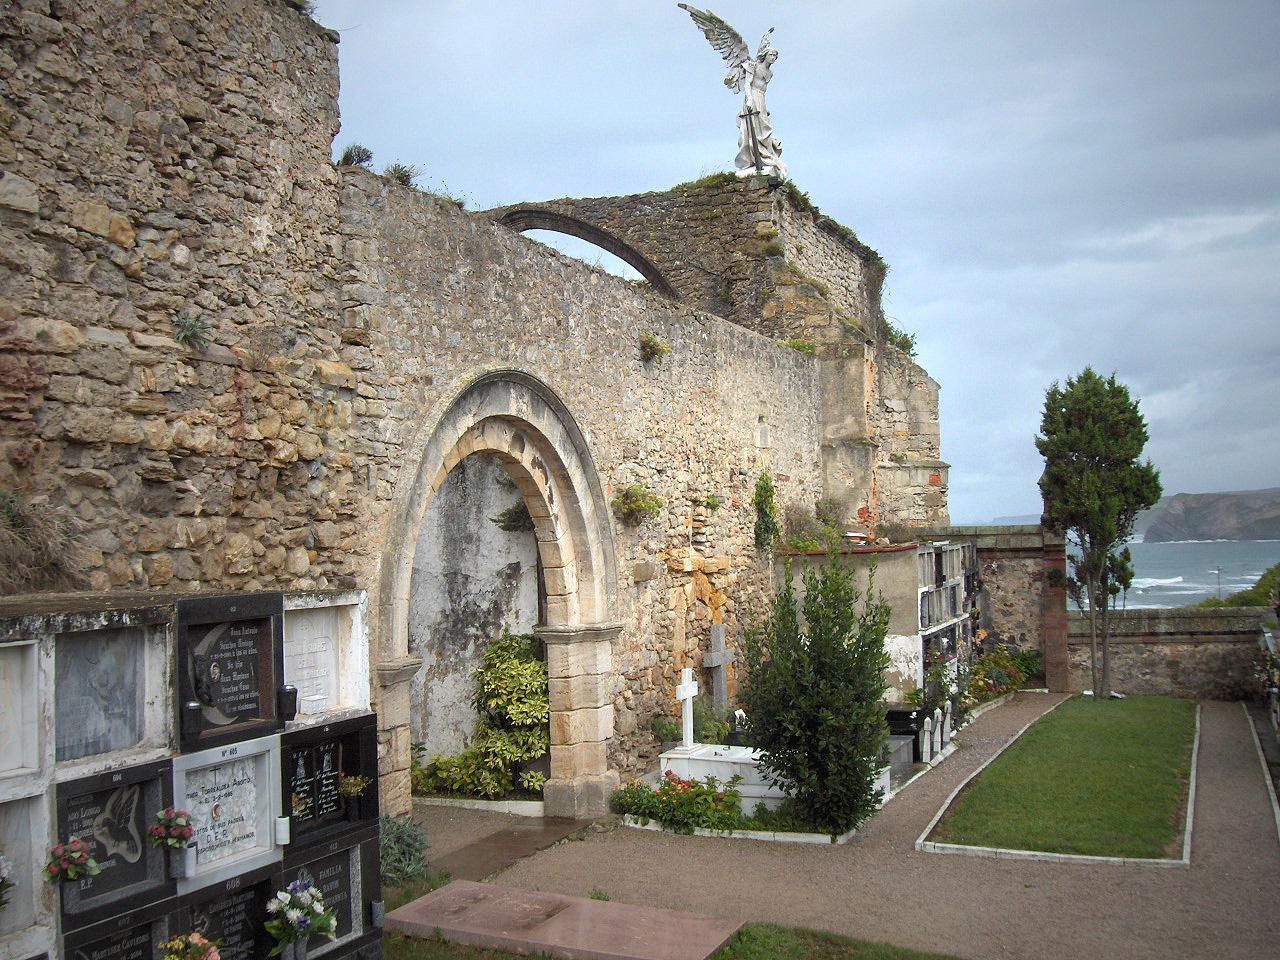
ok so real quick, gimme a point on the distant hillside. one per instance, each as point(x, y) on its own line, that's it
point(1242, 515)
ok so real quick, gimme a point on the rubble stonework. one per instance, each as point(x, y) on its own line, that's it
point(169, 168)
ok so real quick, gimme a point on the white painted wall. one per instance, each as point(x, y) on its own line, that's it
point(470, 581)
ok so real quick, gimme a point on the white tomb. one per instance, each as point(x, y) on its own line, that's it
point(946, 722)
point(325, 656)
point(937, 731)
point(926, 740)
point(19, 716)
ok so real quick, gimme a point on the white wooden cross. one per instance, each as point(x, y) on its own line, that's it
point(716, 659)
point(686, 690)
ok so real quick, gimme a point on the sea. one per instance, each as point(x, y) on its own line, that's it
point(1184, 572)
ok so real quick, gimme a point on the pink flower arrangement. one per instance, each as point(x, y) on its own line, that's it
point(193, 946)
point(71, 861)
point(172, 829)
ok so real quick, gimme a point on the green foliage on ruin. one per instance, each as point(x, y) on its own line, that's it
point(711, 181)
point(514, 519)
point(192, 331)
point(773, 249)
point(765, 500)
point(652, 347)
point(895, 336)
point(635, 504)
point(712, 502)
point(801, 346)
point(511, 699)
point(405, 174)
point(39, 546)
point(355, 155)
point(813, 695)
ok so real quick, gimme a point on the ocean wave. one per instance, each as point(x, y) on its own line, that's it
point(1145, 583)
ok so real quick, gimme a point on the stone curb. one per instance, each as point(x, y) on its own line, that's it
point(519, 808)
point(1266, 772)
point(1000, 853)
point(780, 836)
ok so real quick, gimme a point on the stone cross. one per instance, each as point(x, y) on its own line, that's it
point(716, 660)
point(937, 730)
point(946, 722)
point(686, 690)
point(926, 740)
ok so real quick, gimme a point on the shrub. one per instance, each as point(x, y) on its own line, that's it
point(801, 346)
point(895, 336)
point(813, 696)
point(992, 675)
point(405, 174)
point(355, 155)
point(682, 805)
point(635, 504)
point(192, 331)
point(765, 501)
point(773, 249)
point(402, 850)
point(38, 546)
point(652, 347)
point(1261, 594)
point(1030, 662)
point(665, 730)
point(511, 698)
point(709, 725)
point(514, 519)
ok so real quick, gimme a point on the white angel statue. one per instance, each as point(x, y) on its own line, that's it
point(759, 151)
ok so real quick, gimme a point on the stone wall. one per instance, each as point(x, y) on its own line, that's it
point(1186, 652)
point(1023, 601)
point(164, 164)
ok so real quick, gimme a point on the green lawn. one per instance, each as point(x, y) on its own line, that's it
point(755, 941)
point(1106, 778)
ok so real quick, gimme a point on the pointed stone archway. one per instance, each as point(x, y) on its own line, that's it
point(519, 420)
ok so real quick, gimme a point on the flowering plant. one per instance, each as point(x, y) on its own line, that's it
point(192, 946)
point(6, 880)
point(172, 829)
point(297, 913)
point(683, 805)
point(352, 785)
point(71, 861)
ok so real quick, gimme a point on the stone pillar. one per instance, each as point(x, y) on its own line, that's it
point(1053, 614)
point(394, 738)
point(580, 671)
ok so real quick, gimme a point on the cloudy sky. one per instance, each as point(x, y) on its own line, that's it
point(1053, 184)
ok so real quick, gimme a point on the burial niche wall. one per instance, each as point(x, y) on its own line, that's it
point(475, 575)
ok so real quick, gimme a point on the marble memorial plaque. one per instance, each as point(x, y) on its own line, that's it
point(133, 943)
point(235, 920)
point(116, 820)
point(226, 669)
point(223, 800)
point(98, 684)
point(338, 878)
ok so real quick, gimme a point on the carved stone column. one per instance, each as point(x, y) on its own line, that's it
point(581, 675)
point(394, 739)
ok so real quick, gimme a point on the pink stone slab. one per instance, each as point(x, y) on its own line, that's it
point(506, 918)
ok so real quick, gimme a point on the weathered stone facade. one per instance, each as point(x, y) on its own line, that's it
point(167, 168)
point(1186, 652)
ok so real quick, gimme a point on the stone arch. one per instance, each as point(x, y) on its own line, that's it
point(533, 217)
point(521, 421)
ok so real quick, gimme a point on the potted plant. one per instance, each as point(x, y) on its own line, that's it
point(191, 946)
point(71, 861)
point(173, 830)
point(6, 880)
point(297, 914)
point(351, 788)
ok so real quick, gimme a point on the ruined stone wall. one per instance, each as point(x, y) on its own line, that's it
point(437, 296)
point(168, 163)
point(1187, 652)
point(757, 252)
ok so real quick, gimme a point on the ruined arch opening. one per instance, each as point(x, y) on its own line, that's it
point(510, 422)
point(524, 219)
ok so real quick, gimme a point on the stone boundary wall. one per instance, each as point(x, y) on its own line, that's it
point(1186, 652)
point(1024, 600)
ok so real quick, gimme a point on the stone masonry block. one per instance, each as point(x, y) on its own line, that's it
point(576, 693)
point(578, 759)
point(576, 726)
point(575, 658)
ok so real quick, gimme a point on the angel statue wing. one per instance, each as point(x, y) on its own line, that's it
point(726, 41)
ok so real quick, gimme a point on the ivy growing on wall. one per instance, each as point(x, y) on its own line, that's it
point(766, 503)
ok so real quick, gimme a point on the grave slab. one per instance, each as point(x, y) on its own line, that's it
point(505, 918)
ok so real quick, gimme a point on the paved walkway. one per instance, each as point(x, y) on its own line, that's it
point(880, 888)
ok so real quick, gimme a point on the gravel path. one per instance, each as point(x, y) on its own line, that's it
point(880, 888)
